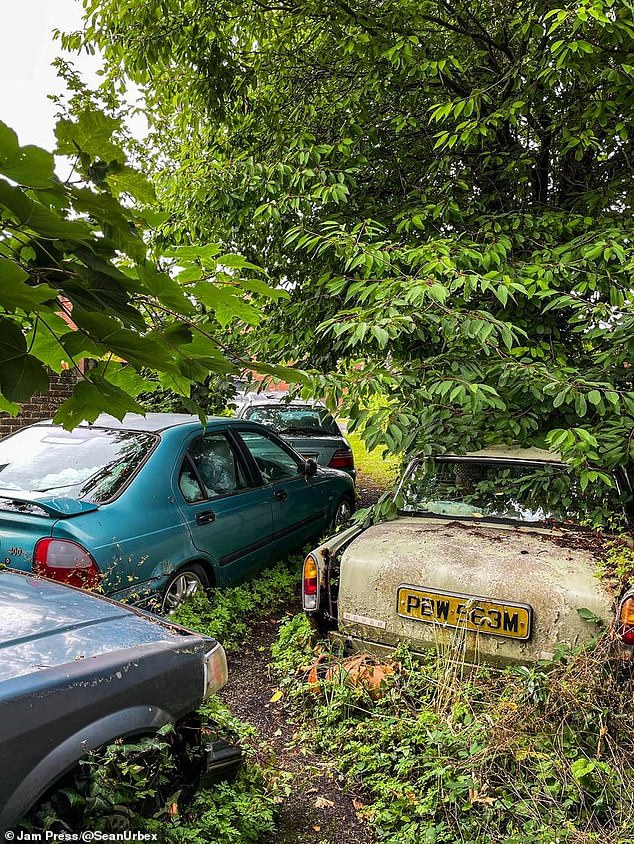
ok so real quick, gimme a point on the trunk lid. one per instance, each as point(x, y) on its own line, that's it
point(502, 594)
point(26, 517)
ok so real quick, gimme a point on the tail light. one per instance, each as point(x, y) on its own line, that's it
point(310, 583)
point(625, 622)
point(65, 561)
point(342, 459)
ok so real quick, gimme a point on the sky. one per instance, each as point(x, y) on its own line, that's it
point(26, 76)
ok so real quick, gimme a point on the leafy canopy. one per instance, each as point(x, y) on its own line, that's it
point(80, 287)
point(444, 188)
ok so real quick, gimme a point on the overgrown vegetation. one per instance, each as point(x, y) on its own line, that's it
point(150, 784)
point(524, 756)
point(228, 614)
point(444, 190)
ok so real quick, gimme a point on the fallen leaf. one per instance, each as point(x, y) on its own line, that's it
point(277, 733)
point(358, 804)
point(323, 803)
point(316, 828)
point(279, 694)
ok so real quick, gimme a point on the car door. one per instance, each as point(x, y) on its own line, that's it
point(227, 513)
point(299, 502)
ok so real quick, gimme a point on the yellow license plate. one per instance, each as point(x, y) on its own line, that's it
point(467, 612)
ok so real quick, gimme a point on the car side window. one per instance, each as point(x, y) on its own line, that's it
point(273, 461)
point(211, 469)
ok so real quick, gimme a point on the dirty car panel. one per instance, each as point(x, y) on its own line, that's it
point(78, 671)
point(491, 558)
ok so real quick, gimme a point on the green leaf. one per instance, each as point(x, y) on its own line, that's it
point(124, 179)
point(90, 133)
point(37, 218)
point(21, 375)
point(16, 293)
point(29, 165)
point(92, 397)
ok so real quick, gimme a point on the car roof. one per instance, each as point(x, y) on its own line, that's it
point(514, 452)
point(138, 422)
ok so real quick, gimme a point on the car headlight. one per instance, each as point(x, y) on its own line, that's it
point(215, 670)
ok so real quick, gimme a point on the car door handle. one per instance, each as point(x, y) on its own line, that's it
point(206, 517)
point(280, 495)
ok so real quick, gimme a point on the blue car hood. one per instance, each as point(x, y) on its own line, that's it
point(47, 625)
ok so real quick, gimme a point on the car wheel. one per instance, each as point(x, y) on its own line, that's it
point(183, 584)
point(342, 514)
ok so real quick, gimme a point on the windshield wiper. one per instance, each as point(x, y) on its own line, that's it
point(58, 486)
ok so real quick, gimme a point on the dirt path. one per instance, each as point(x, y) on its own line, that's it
point(317, 810)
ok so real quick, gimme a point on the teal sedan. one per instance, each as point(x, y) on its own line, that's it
point(156, 507)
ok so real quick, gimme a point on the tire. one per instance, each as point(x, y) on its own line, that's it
point(343, 513)
point(182, 584)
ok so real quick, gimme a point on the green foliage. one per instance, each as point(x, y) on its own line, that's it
point(138, 786)
point(445, 756)
point(229, 613)
point(445, 191)
point(82, 289)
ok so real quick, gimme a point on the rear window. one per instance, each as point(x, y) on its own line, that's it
point(286, 419)
point(518, 492)
point(93, 464)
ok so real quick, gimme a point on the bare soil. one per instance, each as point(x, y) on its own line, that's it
point(318, 809)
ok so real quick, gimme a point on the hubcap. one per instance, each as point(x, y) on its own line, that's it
point(342, 516)
point(182, 587)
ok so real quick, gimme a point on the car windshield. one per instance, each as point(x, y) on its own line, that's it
point(543, 493)
point(286, 419)
point(88, 463)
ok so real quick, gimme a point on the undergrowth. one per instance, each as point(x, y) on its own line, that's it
point(523, 756)
point(227, 614)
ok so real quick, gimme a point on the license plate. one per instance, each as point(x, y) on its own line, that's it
point(466, 612)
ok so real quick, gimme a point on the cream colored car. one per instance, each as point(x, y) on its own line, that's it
point(491, 556)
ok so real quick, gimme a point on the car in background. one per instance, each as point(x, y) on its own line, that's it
point(308, 426)
point(490, 558)
point(79, 671)
point(157, 507)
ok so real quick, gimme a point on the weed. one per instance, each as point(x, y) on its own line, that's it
point(522, 756)
point(228, 613)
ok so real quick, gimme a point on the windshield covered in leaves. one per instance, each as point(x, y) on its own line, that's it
point(288, 419)
point(88, 463)
point(522, 492)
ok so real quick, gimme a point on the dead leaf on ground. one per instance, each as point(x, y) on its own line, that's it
point(323, 803)
point(358, 804)
point(279, 694)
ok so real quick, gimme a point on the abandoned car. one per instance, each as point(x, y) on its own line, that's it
point(307, 426)
point(79, 671)
point(156, 507)
point(490, 557)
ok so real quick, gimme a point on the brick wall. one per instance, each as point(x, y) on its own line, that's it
point(41, 405)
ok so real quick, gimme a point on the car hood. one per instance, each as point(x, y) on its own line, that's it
point(546, 570)
point(46, 625)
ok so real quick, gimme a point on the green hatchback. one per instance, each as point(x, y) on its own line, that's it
point(157, 506)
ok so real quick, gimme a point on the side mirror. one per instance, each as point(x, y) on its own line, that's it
point(310, 468)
